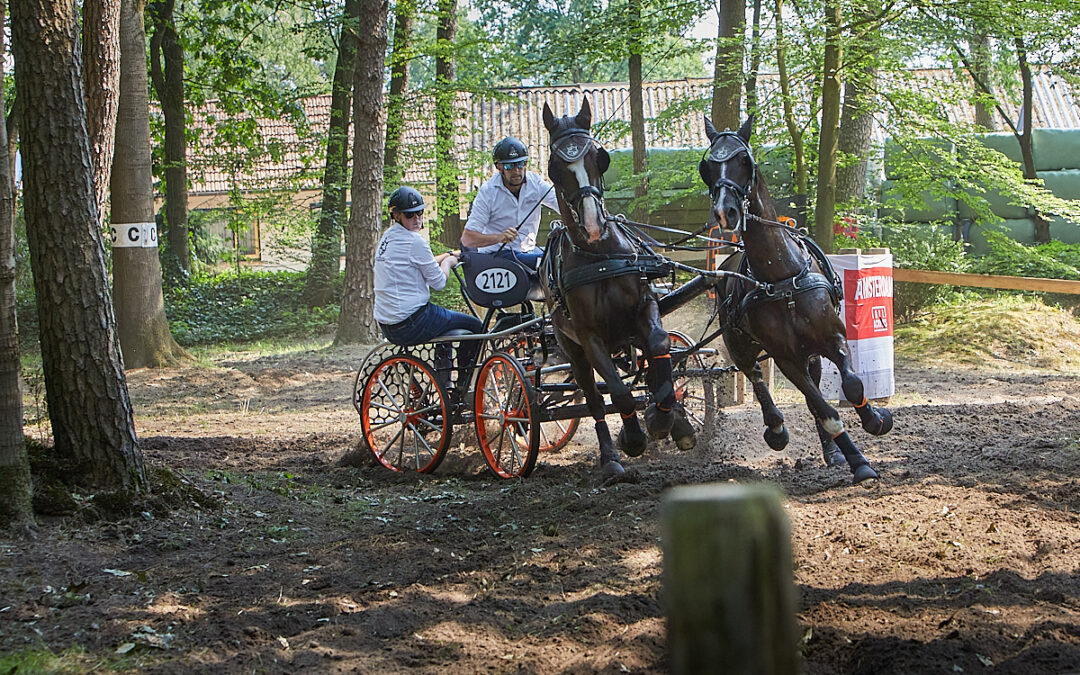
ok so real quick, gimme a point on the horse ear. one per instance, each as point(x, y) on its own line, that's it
point(584, 116)
point(603, 159)
point(703, 169)
point(710, 131)
point(747, 128)
point(549, 117)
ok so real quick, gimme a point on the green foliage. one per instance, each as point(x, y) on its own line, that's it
point(1054, 260)
point(917, 248)
point(246, 306)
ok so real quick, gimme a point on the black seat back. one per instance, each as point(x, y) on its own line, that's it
point(491, 281)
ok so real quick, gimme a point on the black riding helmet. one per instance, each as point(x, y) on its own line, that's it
point(509, 149)
point(406, 200)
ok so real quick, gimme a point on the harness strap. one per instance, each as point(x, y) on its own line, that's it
point(649, 268)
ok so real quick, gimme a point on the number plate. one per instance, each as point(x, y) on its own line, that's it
point(495, 281)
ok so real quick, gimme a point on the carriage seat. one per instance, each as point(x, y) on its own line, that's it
point(494, 282)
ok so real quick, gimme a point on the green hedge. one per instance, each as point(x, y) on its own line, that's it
point(246, 306)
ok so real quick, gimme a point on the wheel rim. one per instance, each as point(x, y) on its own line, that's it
point(505, 419)
point(556, 434)
point(694, 393)
point(404, 416)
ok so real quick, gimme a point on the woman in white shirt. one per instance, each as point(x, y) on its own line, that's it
point(405, 272)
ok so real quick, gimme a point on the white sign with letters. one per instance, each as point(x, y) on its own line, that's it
point(134, 235)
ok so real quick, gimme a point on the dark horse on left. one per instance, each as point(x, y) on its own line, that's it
point(596, 286)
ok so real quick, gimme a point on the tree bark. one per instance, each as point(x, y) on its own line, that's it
point(755, 60)
point(89, 405)
point(169, 86)
point(793, 129)
point(326, 246)
point(637, 116)
point(447, 181)
point(1042, 227)
point(140, 304)
point(356, 323)
point(16, 493)
point(979, 47)
point(825, 205)
point(399, 83)
point(728, 70)
point(101, 72)
point(857, 120)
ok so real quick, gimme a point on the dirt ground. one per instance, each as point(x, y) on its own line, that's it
point(963, 559)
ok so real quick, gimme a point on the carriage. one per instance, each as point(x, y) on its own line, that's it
point(778, 297)
point(520, 397)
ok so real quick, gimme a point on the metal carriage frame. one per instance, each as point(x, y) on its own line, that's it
point(520, 396)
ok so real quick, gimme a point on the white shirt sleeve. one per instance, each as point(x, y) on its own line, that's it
point(480, 213)
point(549, 200)
point(424, 259)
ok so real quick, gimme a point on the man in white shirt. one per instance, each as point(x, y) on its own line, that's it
point(505, 216)
point(405, 272)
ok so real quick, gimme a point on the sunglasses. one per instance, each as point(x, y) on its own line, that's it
point(412, 214)
point(516, 164)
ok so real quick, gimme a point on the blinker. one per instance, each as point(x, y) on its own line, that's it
point(572, 147)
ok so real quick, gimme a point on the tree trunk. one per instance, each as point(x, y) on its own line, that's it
point(637, 116)
point(755, 60)
point(447, 182)
point(326, 247)
point(728, 70)
point(356, 323)
point(857, 119)
point(793, 129)
point(101, 72)
point(399, 83)
point(981, 65)
point(140, 305)
point(16, 507)
point(84, 374)
point(1042, 227)
point(169, 85)
point(825, 206)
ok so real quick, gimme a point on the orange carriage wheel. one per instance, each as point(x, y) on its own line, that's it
point(697, 394)
point(506, 424)
point(404, 415)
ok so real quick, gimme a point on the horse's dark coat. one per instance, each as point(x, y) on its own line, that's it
point(797, 327)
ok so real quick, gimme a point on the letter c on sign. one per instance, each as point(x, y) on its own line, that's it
point(133, 233)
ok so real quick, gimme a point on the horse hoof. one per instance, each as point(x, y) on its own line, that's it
point(864, 473)
point(777, 440)
point(631, 444)
point(658, 422)
point(884, 422)
point(682, 432)
point(611, 471)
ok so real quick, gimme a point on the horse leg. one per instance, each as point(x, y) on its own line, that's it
point(877, 421)
point(829, 449)
point(744, 353)
point(583, 376)
point(827, 416)
point(659, 415)
point(632, 439)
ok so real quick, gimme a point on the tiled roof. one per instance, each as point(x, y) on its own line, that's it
point(518, 113)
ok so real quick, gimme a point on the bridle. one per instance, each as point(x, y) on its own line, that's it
point(721, 152)
point(571, 145)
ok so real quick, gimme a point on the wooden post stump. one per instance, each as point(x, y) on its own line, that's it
point(728, 584)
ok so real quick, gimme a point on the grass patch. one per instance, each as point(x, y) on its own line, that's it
point(1021, 330)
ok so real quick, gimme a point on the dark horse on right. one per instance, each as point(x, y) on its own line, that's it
point(791, 314)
